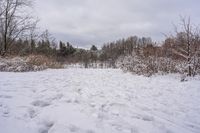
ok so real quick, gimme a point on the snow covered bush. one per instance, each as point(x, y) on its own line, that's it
point(150, 65)
point(26, 64)
point(17, 64)
point(136, 65)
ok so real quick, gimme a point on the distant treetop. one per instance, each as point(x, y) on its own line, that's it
point(93, 48)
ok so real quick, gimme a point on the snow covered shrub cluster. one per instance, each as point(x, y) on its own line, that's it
point(18, 64)
point(29, 63)
point(150, 65)
point(136, 65)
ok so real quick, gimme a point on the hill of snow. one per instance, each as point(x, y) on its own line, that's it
point(97, 101)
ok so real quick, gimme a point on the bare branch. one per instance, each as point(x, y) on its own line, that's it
point(13, 23)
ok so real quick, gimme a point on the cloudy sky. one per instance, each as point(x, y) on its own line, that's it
point(87, 22)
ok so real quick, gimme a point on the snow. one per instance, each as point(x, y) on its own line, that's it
point(78, 100)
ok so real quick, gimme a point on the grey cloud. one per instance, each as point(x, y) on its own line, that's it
point(86, 22)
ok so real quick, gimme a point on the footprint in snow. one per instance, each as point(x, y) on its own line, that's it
point(34, 90)
point(90, 131)
point(147, 118)
point(143, 117)
point(57, 97)
point(46, 126)
point(134, 130)
point(39, 103)
point(6, 112)
point(5, 96)
point(73, 128)
point(32, 113)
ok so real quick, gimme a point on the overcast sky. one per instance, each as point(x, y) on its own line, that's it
point(87, 22)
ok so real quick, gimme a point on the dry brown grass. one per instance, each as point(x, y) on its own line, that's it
point(41, 60)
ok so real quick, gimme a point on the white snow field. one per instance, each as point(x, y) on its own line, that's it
point(97, 101)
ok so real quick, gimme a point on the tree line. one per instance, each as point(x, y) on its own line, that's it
point(19, 36)
point(179, 50)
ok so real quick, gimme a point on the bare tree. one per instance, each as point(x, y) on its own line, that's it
point(189, 35)
point(185, 43)
point(1, 13)
point(14, 22)
point(46, 36)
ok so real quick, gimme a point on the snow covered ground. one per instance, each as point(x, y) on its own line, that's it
point(97, 101)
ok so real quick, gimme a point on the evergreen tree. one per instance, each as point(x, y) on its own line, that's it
point(93, 48)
